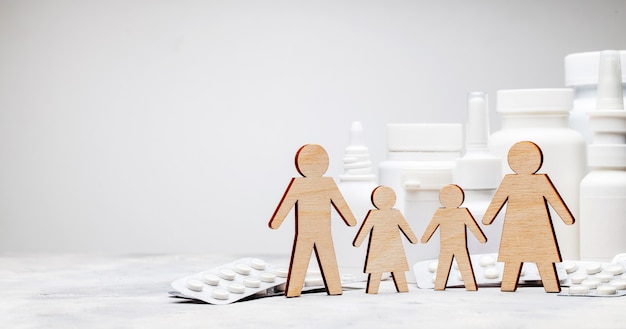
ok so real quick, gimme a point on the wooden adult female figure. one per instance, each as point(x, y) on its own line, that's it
point(527, 233)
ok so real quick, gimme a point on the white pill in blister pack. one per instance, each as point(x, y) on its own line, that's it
point(487, 272)
point(595, 279)
point(231, 282)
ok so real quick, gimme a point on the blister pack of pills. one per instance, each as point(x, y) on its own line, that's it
point(595, 279)
point(232, 282)
point(487, 272)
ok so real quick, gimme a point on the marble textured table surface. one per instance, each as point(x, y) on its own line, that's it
point(131, 291)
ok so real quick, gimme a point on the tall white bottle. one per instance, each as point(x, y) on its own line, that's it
point(541, 116)
point(479, 173)
point(356, 184)
point(603, 190)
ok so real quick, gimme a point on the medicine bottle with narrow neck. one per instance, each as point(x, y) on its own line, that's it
point(603, 190)
point(356, 185)
point(478, 173)
point(542, 116)
point(581, 74)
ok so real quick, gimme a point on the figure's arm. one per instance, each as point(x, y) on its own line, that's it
point(284, 206)
point(405, 228)
point(497, 202)
point(432, 226)
point(474, 228)
point(341, 205)
point(365, 229)
point(553, 197)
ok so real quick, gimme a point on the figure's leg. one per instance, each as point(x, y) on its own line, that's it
point(465, 266)
point(550, 281)
point(443, 270)
point(300, 257)
point(373, 282)
point(399, 279)
point(510, 277)
point(325, 253)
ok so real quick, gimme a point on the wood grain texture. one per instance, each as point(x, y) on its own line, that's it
point(527, 234)
point(385, 252)
point(312, 196)
point(452, 221)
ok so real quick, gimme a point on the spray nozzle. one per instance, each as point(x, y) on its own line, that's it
point(610, 94)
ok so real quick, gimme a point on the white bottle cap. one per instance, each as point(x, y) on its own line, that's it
point(555, 100)
point(424, 137)
point(478, 169)
point(582, 68)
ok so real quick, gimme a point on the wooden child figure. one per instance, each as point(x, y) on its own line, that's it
point(312, 195)
point(452, 222)
point(385, 252)
point(527, 233)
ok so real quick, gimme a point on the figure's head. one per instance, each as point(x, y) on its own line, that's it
point(383, 197)
point(525, 157)
point(451, 196)
point(311, 160)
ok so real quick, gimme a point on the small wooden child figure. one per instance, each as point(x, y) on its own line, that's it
point(527, 233)
point(312, 195)
point(385, 252)
point(452, 221)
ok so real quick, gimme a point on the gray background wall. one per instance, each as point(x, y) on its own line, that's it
point(171, 126)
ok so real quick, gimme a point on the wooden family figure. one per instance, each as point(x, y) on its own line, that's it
point(312, 196)
point(527, 233)
point(385, 252)
point(452, 221)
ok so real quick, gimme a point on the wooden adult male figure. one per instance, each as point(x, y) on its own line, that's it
point(312, 195)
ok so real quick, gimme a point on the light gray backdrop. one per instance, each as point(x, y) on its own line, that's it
point(171, 126)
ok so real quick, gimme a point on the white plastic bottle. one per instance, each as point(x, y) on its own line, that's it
point(603, 190)
point(356, 186)
point(420, 161)
point(581, 73)
point(541, 116)
point(478, 173)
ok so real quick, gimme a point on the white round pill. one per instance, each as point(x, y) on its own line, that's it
point(227, 274)
point(258, 264)
point(578, 290)
point(267, 277)
point(236, 288)
point(282, 272)
point(604, 277)
point(195, 285)
point(593, 268)
point(348, 277)
point(591, 283)
point(619, 284)
point(219, 294)
point(432, 266)
point(486, 261)
point(211, 279)
point(606, 290)
point(313, 272)
point(578, 278)
point(313, 281)
point(491, 273)
point(570, 267)
point(615, 269)
point(243, 269)
point(623, 276)
point(252, 282)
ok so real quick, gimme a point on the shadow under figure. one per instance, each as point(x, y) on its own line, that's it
point(527, 233)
